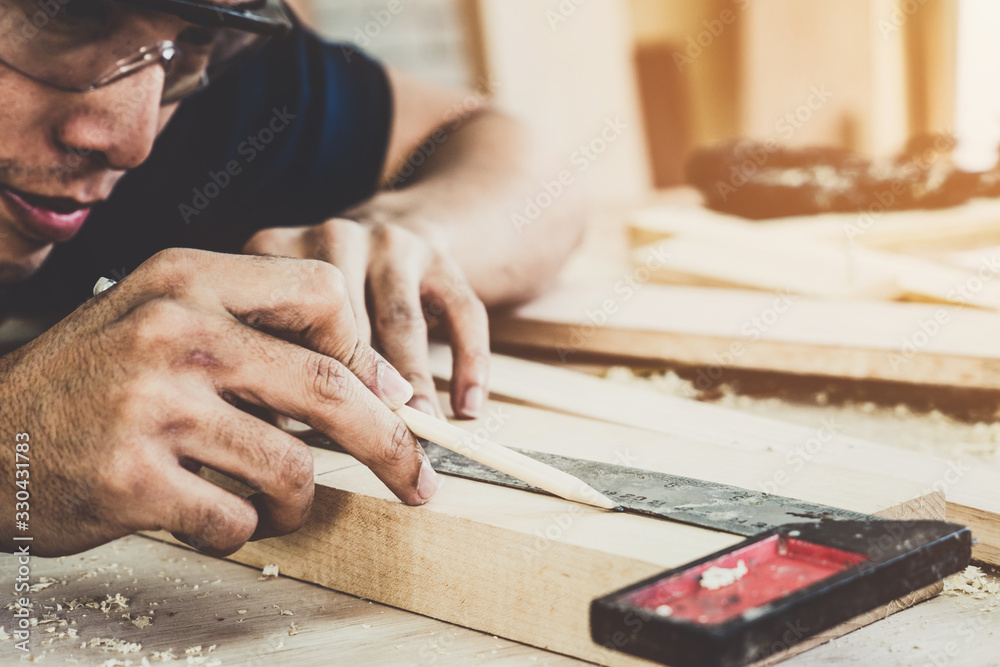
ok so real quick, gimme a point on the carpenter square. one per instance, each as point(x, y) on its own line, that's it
point(804, 568)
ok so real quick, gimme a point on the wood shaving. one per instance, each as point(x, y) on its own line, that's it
point(108, 605)
point(142, 622)
point(43, 583)
point(715, 578)
point(163, 656)
point(292, 629)
point(113, 645)
point(270, 570)
point(973, 582)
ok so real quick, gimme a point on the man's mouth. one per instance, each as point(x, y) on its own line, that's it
point(48, 219)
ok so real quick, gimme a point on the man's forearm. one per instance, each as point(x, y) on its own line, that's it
point(480, 195)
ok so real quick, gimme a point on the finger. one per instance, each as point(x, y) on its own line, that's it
point(206, 517)
point(401, 330)
point(345, 244)
point(276, 465)
point(448, 293)
point(320, 391)
point(303, 299)
point(281, 241)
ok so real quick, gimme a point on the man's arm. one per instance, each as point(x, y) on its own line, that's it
point(447, 234)
point(460, 174)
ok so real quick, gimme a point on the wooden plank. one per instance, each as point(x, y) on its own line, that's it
point(973, 224)
point(525, 566)
point(914, 343)
point(804, 268)
point(864, 106)
point(707, 248)
point(970, 491)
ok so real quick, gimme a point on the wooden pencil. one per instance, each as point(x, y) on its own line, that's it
point(505, 460)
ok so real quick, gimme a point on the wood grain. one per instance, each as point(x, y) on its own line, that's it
point(525, 566)
point(825, 256)
point(970, 490)
point(924, 344)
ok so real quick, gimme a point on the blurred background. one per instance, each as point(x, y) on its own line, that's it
point(631, 87)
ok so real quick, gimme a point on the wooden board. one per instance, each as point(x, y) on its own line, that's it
point(525, 566)
point(789, 48)
point(970, 490)
point(973, 224)
point(803, 268)
point(195, 600)
point(706, 248)
point(926, 344)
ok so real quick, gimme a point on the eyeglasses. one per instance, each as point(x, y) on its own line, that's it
point(83, 45)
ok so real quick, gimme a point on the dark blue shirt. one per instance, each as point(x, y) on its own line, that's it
point(292, 136)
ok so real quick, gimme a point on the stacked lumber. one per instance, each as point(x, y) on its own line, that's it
point(835, 255)
point(908, 297)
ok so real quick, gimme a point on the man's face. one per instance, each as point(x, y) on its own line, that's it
point(62, 152)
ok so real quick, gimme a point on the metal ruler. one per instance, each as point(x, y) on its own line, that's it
point(729, 509)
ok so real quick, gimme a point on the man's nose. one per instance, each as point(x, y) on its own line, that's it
point(116, 124)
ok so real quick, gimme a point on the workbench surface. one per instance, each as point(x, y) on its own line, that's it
point(238, 617)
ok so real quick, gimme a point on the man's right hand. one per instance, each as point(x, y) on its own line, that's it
point(127, 398)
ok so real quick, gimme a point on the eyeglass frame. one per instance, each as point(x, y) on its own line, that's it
point(275, 20)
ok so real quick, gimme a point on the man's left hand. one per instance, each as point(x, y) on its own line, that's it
point(397, 282)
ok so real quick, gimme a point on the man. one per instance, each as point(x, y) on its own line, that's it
point(137, 134)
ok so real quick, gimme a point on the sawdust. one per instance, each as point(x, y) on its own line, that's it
point(715, 578)
point(975, 583)
point(198, 656)
point(269, 571)
point(142, 622)
point(112, 645)
point(163, 656)
point(108, 605)
point(664, 610)
point(928, 431)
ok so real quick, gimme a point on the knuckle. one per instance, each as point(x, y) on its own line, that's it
point(263, 242)
point(398, 314)
point(390, 239)
point(399, 448)
point(325, 281)
point(174, 269)
point(215, 527)
point(159, 320)
point(295, 470)
point(331, 381)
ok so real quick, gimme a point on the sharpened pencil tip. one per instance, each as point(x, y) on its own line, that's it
point(603, 502)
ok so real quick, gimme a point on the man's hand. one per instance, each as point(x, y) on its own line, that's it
point(126, 399)
point(394, 277)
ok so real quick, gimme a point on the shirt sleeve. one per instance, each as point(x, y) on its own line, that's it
point(294, 135)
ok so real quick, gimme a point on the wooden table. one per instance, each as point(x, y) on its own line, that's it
point(194, 600)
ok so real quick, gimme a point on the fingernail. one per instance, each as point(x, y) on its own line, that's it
point(425, 406)
point(473, 402)
point(395, 388)
point(427, 485)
